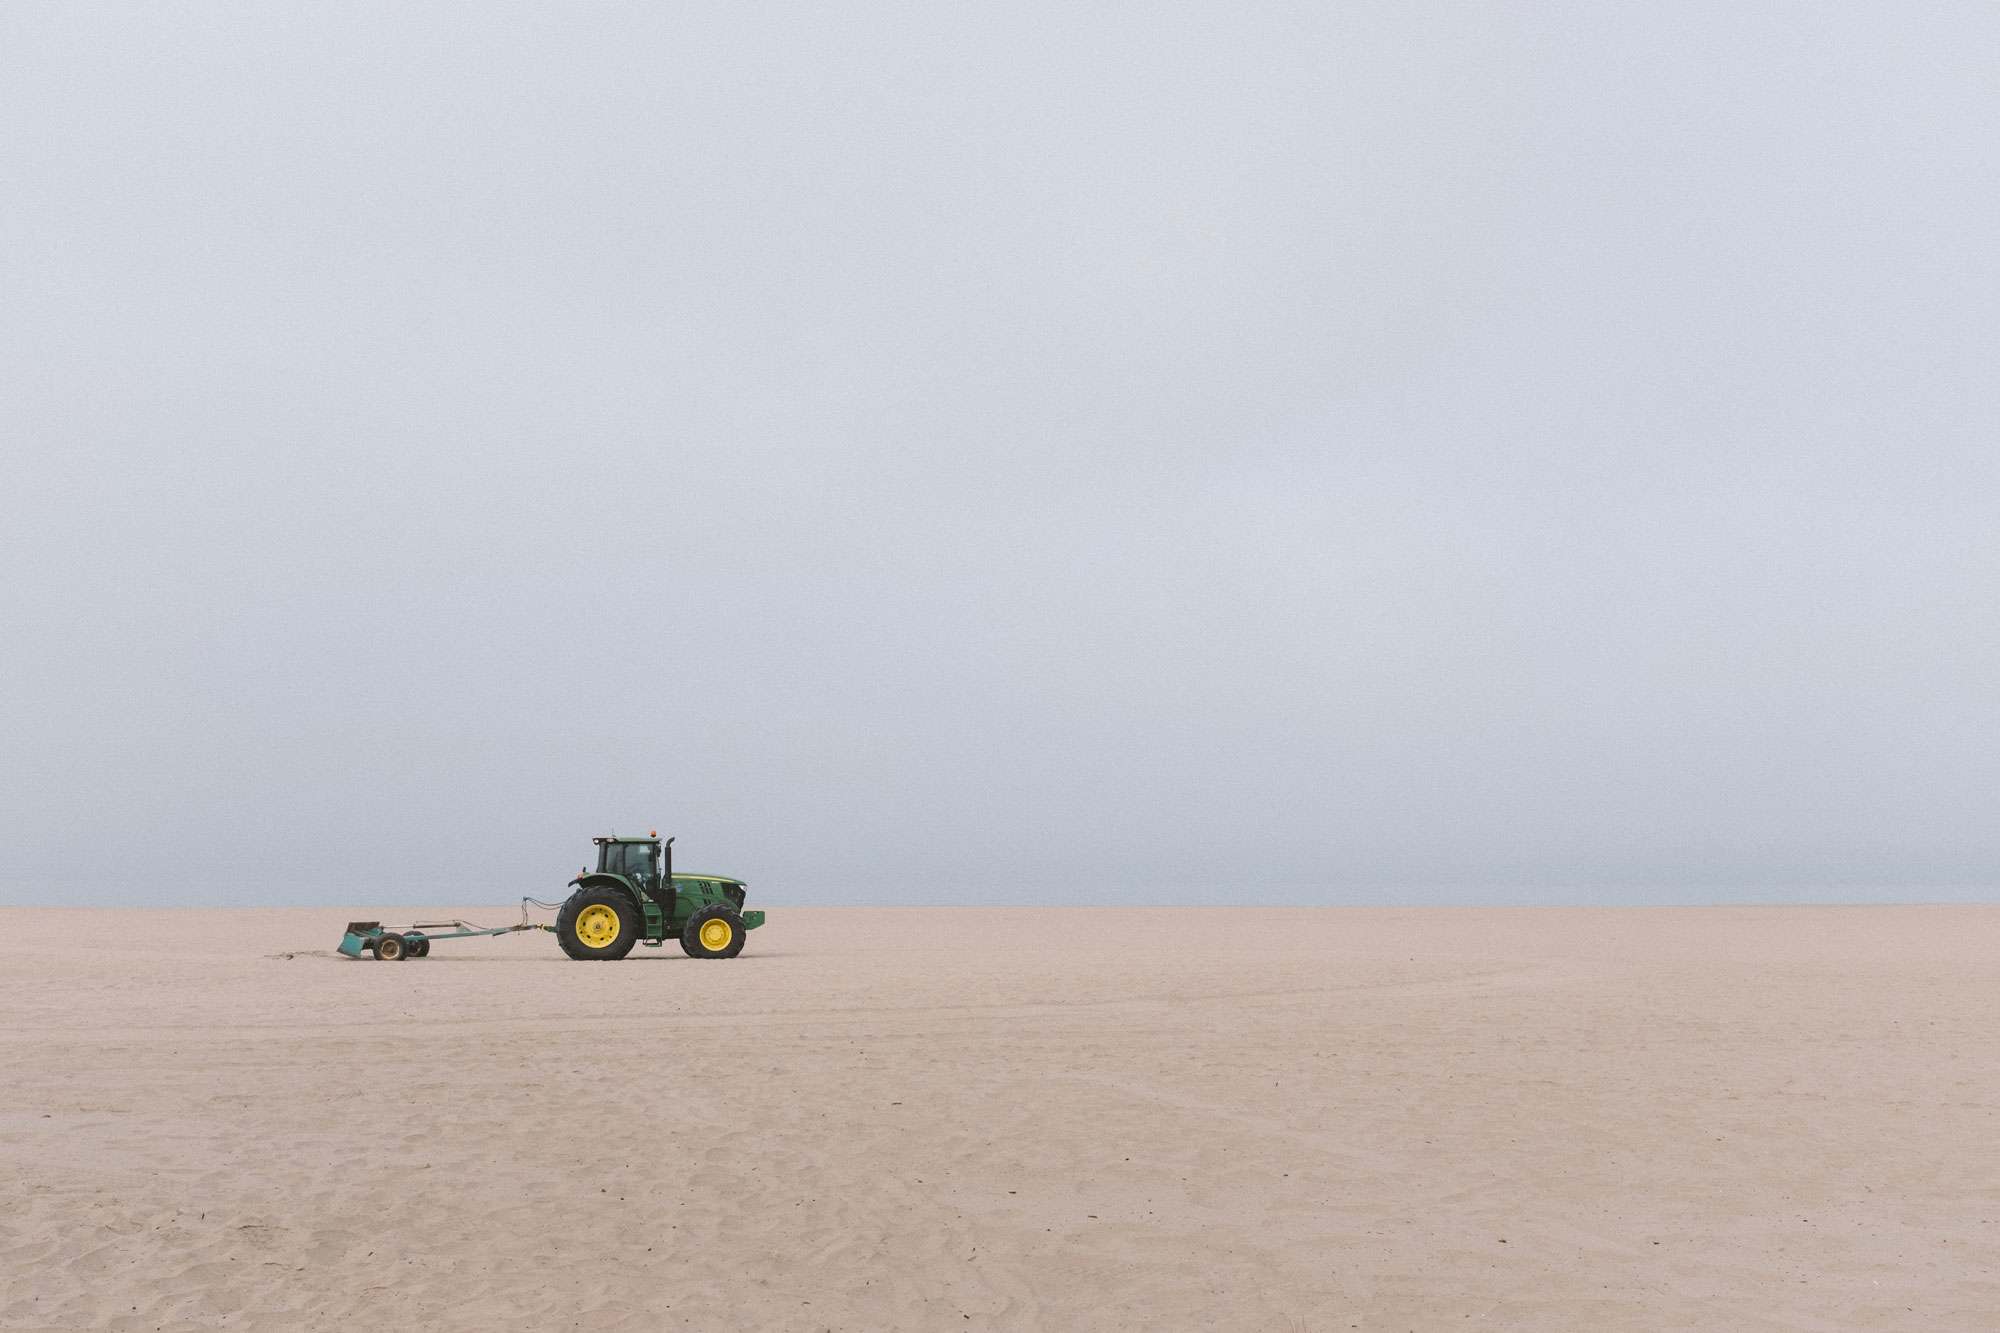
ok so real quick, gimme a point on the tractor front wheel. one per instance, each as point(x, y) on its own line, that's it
point(598, 923)
point(713, 932)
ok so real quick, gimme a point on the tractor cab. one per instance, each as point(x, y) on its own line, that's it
point(637, 859)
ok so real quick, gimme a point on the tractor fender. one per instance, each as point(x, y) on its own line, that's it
point(606, 880)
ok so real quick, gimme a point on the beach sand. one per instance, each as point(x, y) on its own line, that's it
point(1728, 1118)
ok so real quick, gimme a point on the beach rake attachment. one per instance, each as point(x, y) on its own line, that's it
point(395, 943)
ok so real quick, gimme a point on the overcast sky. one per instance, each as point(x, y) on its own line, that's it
point(930, 453)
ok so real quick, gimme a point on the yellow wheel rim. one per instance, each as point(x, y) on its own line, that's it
point(598, 926)
point(715, 935)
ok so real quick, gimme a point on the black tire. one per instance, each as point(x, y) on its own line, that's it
point(391, 949)
point(692, 934)
point(630, 925)
point(419, 947)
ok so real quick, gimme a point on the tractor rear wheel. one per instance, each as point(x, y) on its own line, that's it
point(715, 931)
point(598, 923)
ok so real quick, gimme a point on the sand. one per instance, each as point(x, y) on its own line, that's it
point(1741, 1118)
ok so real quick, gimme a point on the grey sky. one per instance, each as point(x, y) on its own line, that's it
point(926, 453)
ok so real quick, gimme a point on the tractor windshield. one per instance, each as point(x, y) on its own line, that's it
point(634, 860)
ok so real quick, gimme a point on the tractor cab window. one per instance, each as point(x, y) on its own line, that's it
point(631, 859)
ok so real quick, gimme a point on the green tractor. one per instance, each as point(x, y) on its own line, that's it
point(633, 898)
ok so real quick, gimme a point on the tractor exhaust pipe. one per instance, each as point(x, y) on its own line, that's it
point(667, 870)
